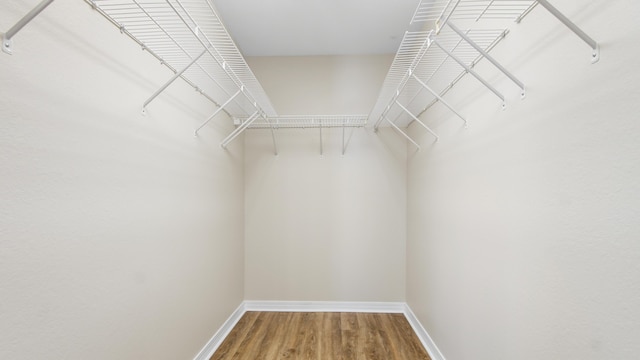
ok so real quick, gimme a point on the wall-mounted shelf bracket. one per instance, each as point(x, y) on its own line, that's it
point(402, 132)
point(320, 127)
point(440, 22)
point(240, 129)
point(488, 57)
point(6, 37)
point(219, 109)
point(475, 74)
point(595, 54)
point(273, 137)
point(170, 81)
point(418, 120)
point(424, 85)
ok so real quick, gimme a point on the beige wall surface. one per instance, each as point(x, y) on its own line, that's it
point(330, 227)
point(321, 85)
point(523, 229)
point(121, 236)
point(325, 228)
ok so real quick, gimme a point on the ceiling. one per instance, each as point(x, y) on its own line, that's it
point(316, 27)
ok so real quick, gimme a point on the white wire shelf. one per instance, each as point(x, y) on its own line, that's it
point(438, 12)
point(189, 38)
point(307, 121)
point(419, 58)
point(430, 62)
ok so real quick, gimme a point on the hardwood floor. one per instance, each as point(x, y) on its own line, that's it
point(326, 336)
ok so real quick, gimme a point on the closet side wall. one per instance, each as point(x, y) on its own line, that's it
point(324, 227)
point(523, 229)
point(121, 236)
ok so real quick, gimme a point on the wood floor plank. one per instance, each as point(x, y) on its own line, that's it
point(233, 341)
point(326, 336)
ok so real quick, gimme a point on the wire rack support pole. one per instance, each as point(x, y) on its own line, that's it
point(221, 108)
point(273, 137)
point(403, 84)
point(470, 71)
point(418, 120)
point(402, 132)
point(344, 123)
point(170, 81)
point(6, 37)
point(320, 127)
point(488, 57)
point(440, 99)
point(239, 129)
point(595, 55)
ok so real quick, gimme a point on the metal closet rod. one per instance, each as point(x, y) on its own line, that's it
point(6, 37)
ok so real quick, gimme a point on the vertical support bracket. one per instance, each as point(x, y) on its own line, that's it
point(344, 123)
point(402, 132)
point(170, 81)
point(6, 37)
point(273, 137)
point(488, 57)
point(475, 74)
point(418, 120)
point(424, 85)
point(320, 127)
point(595, 55)
point(218, 110)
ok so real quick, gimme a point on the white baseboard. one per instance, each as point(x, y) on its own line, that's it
point(212, 345)
point(321, 306)
point(423, 335)
point(325, 306)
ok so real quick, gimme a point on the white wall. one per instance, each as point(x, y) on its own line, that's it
point(121, 236)
point(523, 229)
point(321, 85)
point(330, 227)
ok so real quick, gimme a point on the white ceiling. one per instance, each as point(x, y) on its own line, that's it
point(316, 27)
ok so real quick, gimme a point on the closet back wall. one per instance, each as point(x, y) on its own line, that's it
point(121, 236)
point(330, 227)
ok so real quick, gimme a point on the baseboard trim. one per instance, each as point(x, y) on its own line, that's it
point(320, 306)
point(325, 306)
point(212, 345)
point(423, 335)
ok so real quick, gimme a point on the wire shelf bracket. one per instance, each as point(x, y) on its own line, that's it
point(595, 54)
point(7, 37)
point(320, 128)
point(418, 120)
point(234, 134)
point(170, 81)
point(472, 72)
point(488, 57)
point(437, 96)
point(218, 110)
point(404, 134)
